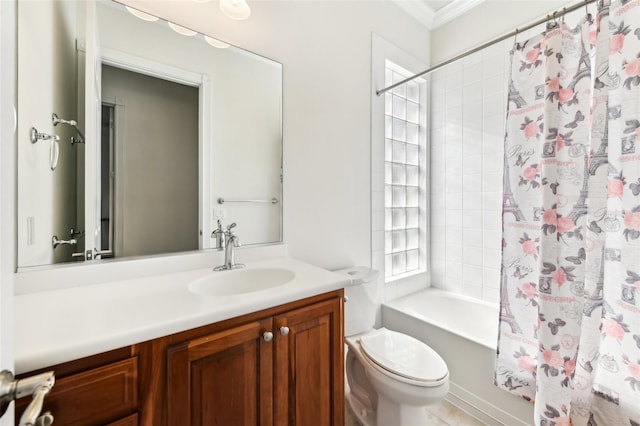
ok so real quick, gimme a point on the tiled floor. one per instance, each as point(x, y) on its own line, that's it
point(442, 414)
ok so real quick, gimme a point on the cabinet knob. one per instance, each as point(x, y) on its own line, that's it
point(267, 336)
point(284, 330)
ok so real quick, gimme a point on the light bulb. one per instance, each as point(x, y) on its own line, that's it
point(142, 15)
point(216, 43)
point(181, 30)
point(235, 9)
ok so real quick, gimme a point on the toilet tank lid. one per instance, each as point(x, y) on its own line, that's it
point(359, 274)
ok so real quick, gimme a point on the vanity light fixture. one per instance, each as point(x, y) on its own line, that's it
point(235, 9)
point(139, 14)
point(181, 30)
point(216, 43)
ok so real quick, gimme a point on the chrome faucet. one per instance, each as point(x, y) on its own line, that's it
point(232, 241)
point(36, 386)
point(219, 235)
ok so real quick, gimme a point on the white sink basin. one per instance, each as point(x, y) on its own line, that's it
point(239, 281)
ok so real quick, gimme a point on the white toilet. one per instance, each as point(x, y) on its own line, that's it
point(391, 376)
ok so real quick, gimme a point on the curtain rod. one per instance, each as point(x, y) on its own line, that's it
point(515, 32)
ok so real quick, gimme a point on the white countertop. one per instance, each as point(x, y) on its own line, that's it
point(70, 323)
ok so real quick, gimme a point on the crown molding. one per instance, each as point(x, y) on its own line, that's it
point(417, 10)
point(432, 20)
point(453, 10)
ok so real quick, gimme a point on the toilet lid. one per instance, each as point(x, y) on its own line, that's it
point(404, 355)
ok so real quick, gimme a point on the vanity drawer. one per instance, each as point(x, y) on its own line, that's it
point(131, 420)
point(94, 397)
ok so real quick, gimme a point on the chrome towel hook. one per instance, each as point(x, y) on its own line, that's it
point(55, 242)
point(57, 120)
point(54, 151)
point(73, 123)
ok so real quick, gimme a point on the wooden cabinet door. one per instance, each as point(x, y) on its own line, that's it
point(224, 379)
point(93, 397)
point(131, 420)
point(309, 380)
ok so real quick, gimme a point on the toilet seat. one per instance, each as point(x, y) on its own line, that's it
point(404, 358)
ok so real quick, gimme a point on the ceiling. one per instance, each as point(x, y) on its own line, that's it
point(434, 13)
point(436, 5)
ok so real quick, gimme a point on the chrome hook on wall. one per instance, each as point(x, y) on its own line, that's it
point(54, 152)
point(55, 242)
point(73, 123)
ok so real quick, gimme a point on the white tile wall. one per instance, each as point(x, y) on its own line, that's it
point(468, 107)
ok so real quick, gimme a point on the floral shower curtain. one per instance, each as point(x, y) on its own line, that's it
point(570, 292)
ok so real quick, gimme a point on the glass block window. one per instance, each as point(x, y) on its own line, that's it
point(405, 177)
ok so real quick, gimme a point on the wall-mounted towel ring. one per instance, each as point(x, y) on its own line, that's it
point(54, 150)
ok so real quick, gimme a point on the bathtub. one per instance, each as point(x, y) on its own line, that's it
point(464, 331)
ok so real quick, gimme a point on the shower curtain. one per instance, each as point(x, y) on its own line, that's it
point(570, 292)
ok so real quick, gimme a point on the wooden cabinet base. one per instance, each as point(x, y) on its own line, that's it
point(280, 366)
point(93, 397)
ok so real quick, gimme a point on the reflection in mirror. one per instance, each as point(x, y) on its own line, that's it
point(48, 66)
point(171, 125)
point(149, 164)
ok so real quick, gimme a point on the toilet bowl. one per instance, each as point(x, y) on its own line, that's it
point(391, 377)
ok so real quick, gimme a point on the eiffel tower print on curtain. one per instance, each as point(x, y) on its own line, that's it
point(596, 300)
point(601, 155)
point(580, 207)
point(505, 310)
point(509, 204)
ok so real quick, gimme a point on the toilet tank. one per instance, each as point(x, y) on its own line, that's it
point(362, 299)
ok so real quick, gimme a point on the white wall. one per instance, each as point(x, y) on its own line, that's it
point(325, 49)
point(247, 108)
point(47, 84)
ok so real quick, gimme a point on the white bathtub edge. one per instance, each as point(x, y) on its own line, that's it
point(404, 305)
point(479, 408)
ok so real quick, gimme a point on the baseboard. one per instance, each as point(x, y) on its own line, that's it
point(481, 409)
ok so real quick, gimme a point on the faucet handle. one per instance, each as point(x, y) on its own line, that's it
point(229, 227)
point(218, 230)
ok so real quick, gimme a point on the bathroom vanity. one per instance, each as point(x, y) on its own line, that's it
point(270, 356)
point(133, 337)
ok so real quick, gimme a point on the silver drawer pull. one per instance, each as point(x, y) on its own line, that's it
point(267, 336)
point(284, 330)
point(35, 386)
point(44, 420)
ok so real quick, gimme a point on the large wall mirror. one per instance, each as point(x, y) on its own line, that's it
point(136, 136)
